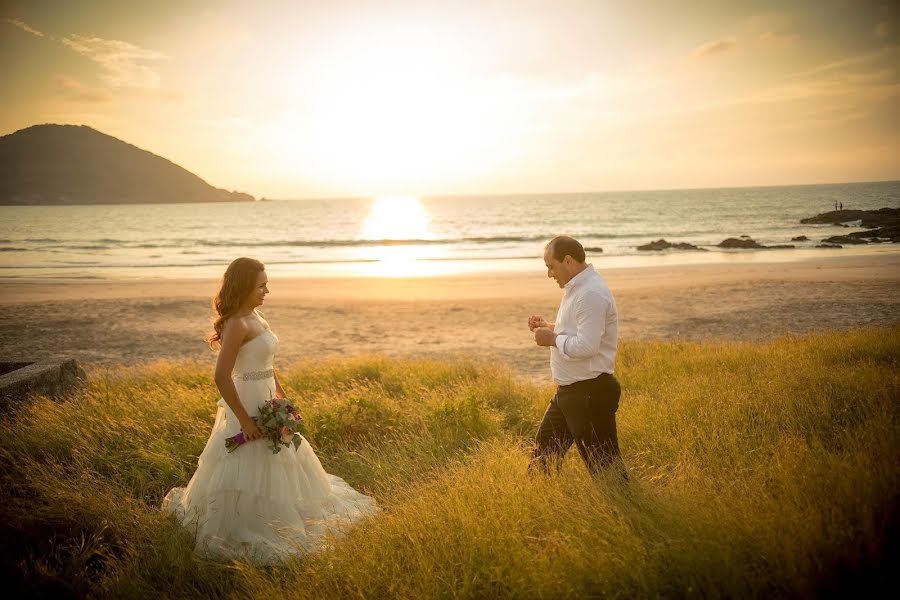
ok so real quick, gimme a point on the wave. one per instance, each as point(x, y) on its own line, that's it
point(107, 243)
point(381, 242)
point(591, 241)
point(206, 263)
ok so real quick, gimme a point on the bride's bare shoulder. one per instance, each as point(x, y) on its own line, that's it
point(261, 318)
point(236, 324)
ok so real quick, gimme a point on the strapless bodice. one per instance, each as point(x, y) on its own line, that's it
point(256, 356)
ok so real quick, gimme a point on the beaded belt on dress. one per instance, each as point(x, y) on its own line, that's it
point(254, 375)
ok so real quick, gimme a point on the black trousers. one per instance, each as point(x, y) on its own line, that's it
point(583, 413)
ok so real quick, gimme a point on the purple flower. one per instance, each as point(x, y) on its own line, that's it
point(232, 443)
point(290, 408)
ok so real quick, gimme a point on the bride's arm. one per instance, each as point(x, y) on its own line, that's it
point(232, 337)
point(279, 391)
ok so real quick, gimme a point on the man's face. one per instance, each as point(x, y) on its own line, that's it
point(557, 270)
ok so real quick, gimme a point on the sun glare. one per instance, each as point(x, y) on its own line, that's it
point(394, 219)
point(398, 111)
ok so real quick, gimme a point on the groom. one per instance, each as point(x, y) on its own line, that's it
point(582, 358)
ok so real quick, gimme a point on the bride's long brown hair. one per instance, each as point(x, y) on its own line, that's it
point(237, 283)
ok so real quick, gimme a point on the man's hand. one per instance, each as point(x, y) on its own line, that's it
point(544, 336)
point(535, 321)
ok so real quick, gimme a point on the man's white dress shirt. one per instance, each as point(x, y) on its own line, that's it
point(587, 325)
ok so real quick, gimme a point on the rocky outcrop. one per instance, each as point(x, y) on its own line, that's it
point(829, 246)
point(664, 245)
point(881, 217)
point(891, 232)
point(749, 244)
point(746, 243)
point(800, 238)
point(872, 236)
point(843, 239)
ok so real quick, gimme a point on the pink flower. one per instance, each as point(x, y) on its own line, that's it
point(275, 402)
point(291, 418)
point(285, 430)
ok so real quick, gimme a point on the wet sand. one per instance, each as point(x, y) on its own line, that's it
point(482, 316)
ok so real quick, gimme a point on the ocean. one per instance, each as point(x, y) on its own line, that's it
point(402, 235)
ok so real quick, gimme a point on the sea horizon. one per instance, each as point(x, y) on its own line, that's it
point(439, 196)
point(410, 236)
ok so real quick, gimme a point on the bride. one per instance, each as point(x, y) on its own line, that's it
point(252, 504)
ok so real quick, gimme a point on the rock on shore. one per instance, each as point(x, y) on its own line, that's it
point(872, 236)
point(749, 244)
point(869, 219)
point(664, 245)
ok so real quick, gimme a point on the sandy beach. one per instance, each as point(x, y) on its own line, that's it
point(482, 316)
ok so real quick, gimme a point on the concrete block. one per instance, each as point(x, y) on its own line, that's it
point(53, 378)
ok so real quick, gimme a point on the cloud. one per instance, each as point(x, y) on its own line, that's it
point(65, 83)
point(715, 48)
point(772, 39)
point(126, 65)
point(231, 122)
point(74, 91)
point(152, 94)
point(24, 27)
point(889, 53)
point(864, 79)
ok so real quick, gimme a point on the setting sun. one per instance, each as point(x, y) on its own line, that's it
point(397, 218)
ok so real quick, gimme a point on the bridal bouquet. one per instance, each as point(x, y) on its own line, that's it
point(279, 422)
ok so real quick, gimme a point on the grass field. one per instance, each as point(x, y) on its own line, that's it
point(756, 470)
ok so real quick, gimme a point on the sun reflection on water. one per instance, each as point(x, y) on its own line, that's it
point(396, 218)
point(393, 225)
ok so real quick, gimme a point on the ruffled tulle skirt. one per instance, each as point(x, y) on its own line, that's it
point(254, 505)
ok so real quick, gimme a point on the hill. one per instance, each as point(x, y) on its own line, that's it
point(75, 164)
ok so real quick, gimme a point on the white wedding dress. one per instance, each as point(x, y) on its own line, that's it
point(252, 504)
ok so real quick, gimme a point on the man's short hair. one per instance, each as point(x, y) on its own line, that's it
point(563, 245)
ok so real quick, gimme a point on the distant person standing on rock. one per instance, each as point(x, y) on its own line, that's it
point(842, 206)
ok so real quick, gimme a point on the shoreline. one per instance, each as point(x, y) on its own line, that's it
point(480, 316)
point(399, 267)
point(466, 285)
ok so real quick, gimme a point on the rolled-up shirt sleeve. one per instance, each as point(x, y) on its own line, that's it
point(590, 317)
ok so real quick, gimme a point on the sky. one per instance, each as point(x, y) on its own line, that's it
point(294, 99)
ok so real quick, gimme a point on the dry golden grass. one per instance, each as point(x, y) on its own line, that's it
point(756, 470)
